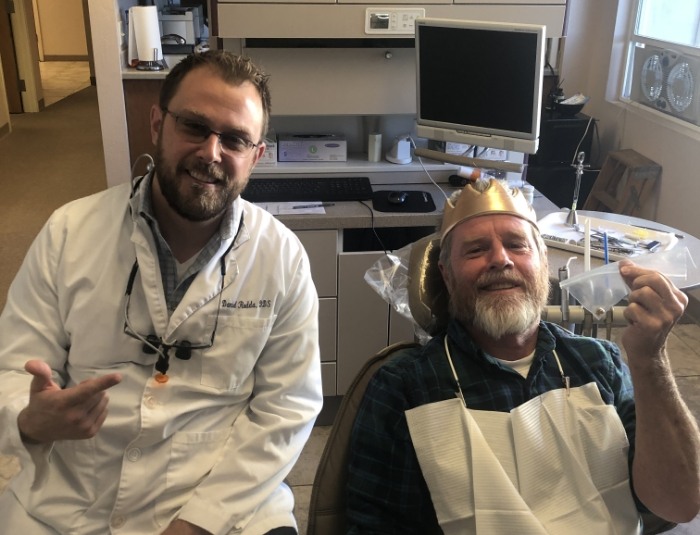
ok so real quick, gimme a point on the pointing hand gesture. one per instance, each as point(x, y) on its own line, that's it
point(72, 413)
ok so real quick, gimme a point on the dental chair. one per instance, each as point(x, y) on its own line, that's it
point(428, 300)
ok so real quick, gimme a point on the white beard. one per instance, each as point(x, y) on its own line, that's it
point(500, 316)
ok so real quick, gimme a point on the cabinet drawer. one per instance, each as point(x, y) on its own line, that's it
point(327, 328)
point(322, 248)
point(328, 380)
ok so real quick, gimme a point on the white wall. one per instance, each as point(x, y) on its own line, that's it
point(27, 52)
point(105, 23)
point(593, 44)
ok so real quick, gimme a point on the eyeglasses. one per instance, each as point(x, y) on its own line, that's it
point(197, 132)
point(154, 344)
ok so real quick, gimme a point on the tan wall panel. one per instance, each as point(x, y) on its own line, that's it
point(62, 28)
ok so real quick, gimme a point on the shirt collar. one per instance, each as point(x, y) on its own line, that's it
point(174, 287)
point(460, 337)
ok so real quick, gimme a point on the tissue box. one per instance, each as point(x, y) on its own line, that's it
point(312, 148)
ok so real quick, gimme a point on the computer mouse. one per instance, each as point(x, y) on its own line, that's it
point(397, 197)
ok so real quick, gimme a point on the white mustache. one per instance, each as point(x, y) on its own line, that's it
point(498, 280)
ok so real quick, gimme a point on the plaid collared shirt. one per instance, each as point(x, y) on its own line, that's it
point(386, 490)
point(173, 288)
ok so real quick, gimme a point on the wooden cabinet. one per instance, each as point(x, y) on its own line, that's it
point(139, 97)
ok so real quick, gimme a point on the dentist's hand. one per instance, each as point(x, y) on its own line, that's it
point(655, 305)
point(72, 413)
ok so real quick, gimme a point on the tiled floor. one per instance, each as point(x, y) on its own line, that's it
point(60, 79)
point(684, 348)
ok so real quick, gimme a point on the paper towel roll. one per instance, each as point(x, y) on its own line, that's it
point(144, 24)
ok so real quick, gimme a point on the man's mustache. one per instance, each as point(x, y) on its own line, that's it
point(211, 170)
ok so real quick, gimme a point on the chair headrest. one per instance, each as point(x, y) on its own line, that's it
point(427, 294)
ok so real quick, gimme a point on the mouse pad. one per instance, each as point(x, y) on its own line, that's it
point(416, 201)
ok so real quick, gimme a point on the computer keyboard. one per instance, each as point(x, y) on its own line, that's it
point(324, 189)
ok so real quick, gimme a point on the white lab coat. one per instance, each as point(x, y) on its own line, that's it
point(214, 444)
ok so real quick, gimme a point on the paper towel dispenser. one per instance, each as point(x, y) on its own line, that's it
point(144, 48)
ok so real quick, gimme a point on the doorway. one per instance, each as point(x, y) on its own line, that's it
point(63, 46)
point(62, 31)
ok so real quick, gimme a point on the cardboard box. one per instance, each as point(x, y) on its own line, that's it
point(312, 148)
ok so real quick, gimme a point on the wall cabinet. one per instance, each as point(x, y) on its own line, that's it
point(340, 81)
point(348, 71)
point(346, 19)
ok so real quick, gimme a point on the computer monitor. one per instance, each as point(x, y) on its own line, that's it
point(480, 83)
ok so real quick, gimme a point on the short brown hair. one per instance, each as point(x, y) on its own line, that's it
point(232, 68)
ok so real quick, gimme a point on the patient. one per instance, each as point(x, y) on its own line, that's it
point(504, 423)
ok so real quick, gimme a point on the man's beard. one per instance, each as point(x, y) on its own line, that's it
point(197, 203)
point(499, 315)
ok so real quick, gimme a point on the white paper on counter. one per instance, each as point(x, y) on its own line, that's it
point(288, 208)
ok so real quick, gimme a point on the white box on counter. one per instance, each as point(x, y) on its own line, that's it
point(269, 157)
point(312, 148)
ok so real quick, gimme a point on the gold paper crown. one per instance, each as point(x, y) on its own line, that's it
point(495, 199)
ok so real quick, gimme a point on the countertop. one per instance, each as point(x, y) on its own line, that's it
point(131, 73)
point(361, 214)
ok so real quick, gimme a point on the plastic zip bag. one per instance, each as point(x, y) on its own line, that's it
point(599, 289)
point(389, 276)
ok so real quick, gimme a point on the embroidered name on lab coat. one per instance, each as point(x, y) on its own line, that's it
point(250, 303)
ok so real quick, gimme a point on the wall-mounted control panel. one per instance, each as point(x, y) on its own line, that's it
point(392, 20)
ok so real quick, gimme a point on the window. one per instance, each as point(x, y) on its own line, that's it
point(663, 60)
